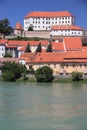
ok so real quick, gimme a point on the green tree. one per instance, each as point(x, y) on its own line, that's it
point(38, 49)
point(8, 76)
point(30, 28)
point(76, 76)
point(44, 74)
point(28, 48)
point(7, 55)
point(31, 70)
point(84, 43)
point(5, 28)
point(13, 67)
point(49, 48)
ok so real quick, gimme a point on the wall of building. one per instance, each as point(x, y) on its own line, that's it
point(66, 33)
point(62, 68)
point(46, 23)
point(2, 51)
point(40, 34)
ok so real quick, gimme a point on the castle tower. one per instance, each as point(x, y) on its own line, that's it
point(18, 30)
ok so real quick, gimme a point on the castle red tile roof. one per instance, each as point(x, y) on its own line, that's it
point(66, 27)
point(48, 14)
point(18, 26)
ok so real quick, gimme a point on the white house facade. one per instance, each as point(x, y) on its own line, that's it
point(2, 47)
point(2, 50)
point(45, 20)
point(66, 31)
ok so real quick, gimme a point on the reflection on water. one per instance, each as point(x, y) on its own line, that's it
point(31, 106)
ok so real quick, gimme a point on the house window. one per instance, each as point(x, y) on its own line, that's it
point(85, 65)
point(73, 65)
point(66, 65)
point(80, 66)
point(54, 65)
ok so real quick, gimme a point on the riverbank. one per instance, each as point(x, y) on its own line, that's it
point(56, 80)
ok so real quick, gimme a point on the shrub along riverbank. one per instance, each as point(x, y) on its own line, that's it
point(55, 80)
point(12, 71)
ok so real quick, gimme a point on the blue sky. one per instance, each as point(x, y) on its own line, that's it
point(15, 10)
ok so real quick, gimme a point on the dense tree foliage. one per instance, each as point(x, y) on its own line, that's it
point(8, 76)
point(30, 28)
point(28, 48)
point(31, 70)
point(5, 28)
point(76, 76)
point(44, 74)
point(84, 44)
point(38, 49)
point(7, 55)
point(28, 38)
point(15, 69)
point(49, 48)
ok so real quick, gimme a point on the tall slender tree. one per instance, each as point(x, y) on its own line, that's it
point(38, 49)
point(49, 48)
point(28, 48)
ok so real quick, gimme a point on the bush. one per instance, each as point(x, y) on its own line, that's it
point(12, 68)
point(76, 76)
point(30, 28)
point(8, 76)
point(24, 77)
point(44, 74)
point(7, 55)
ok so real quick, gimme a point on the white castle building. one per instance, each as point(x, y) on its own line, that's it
point(67, 30)
point(45, 20)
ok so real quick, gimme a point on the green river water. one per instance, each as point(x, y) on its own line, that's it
point(44, 106)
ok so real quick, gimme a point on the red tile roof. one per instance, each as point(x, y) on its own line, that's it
point(65, 27)
point(3, 41)
point(76, 55)
point(18, 26)
point(84, 48)
point(24, 43)
point(72, 43)
point(22, 48)
point(48, 14)
point(57, 46)
point(9, 59)
point(55, 57)
point(17, 43)
point(11, 46)
point(42, 57)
